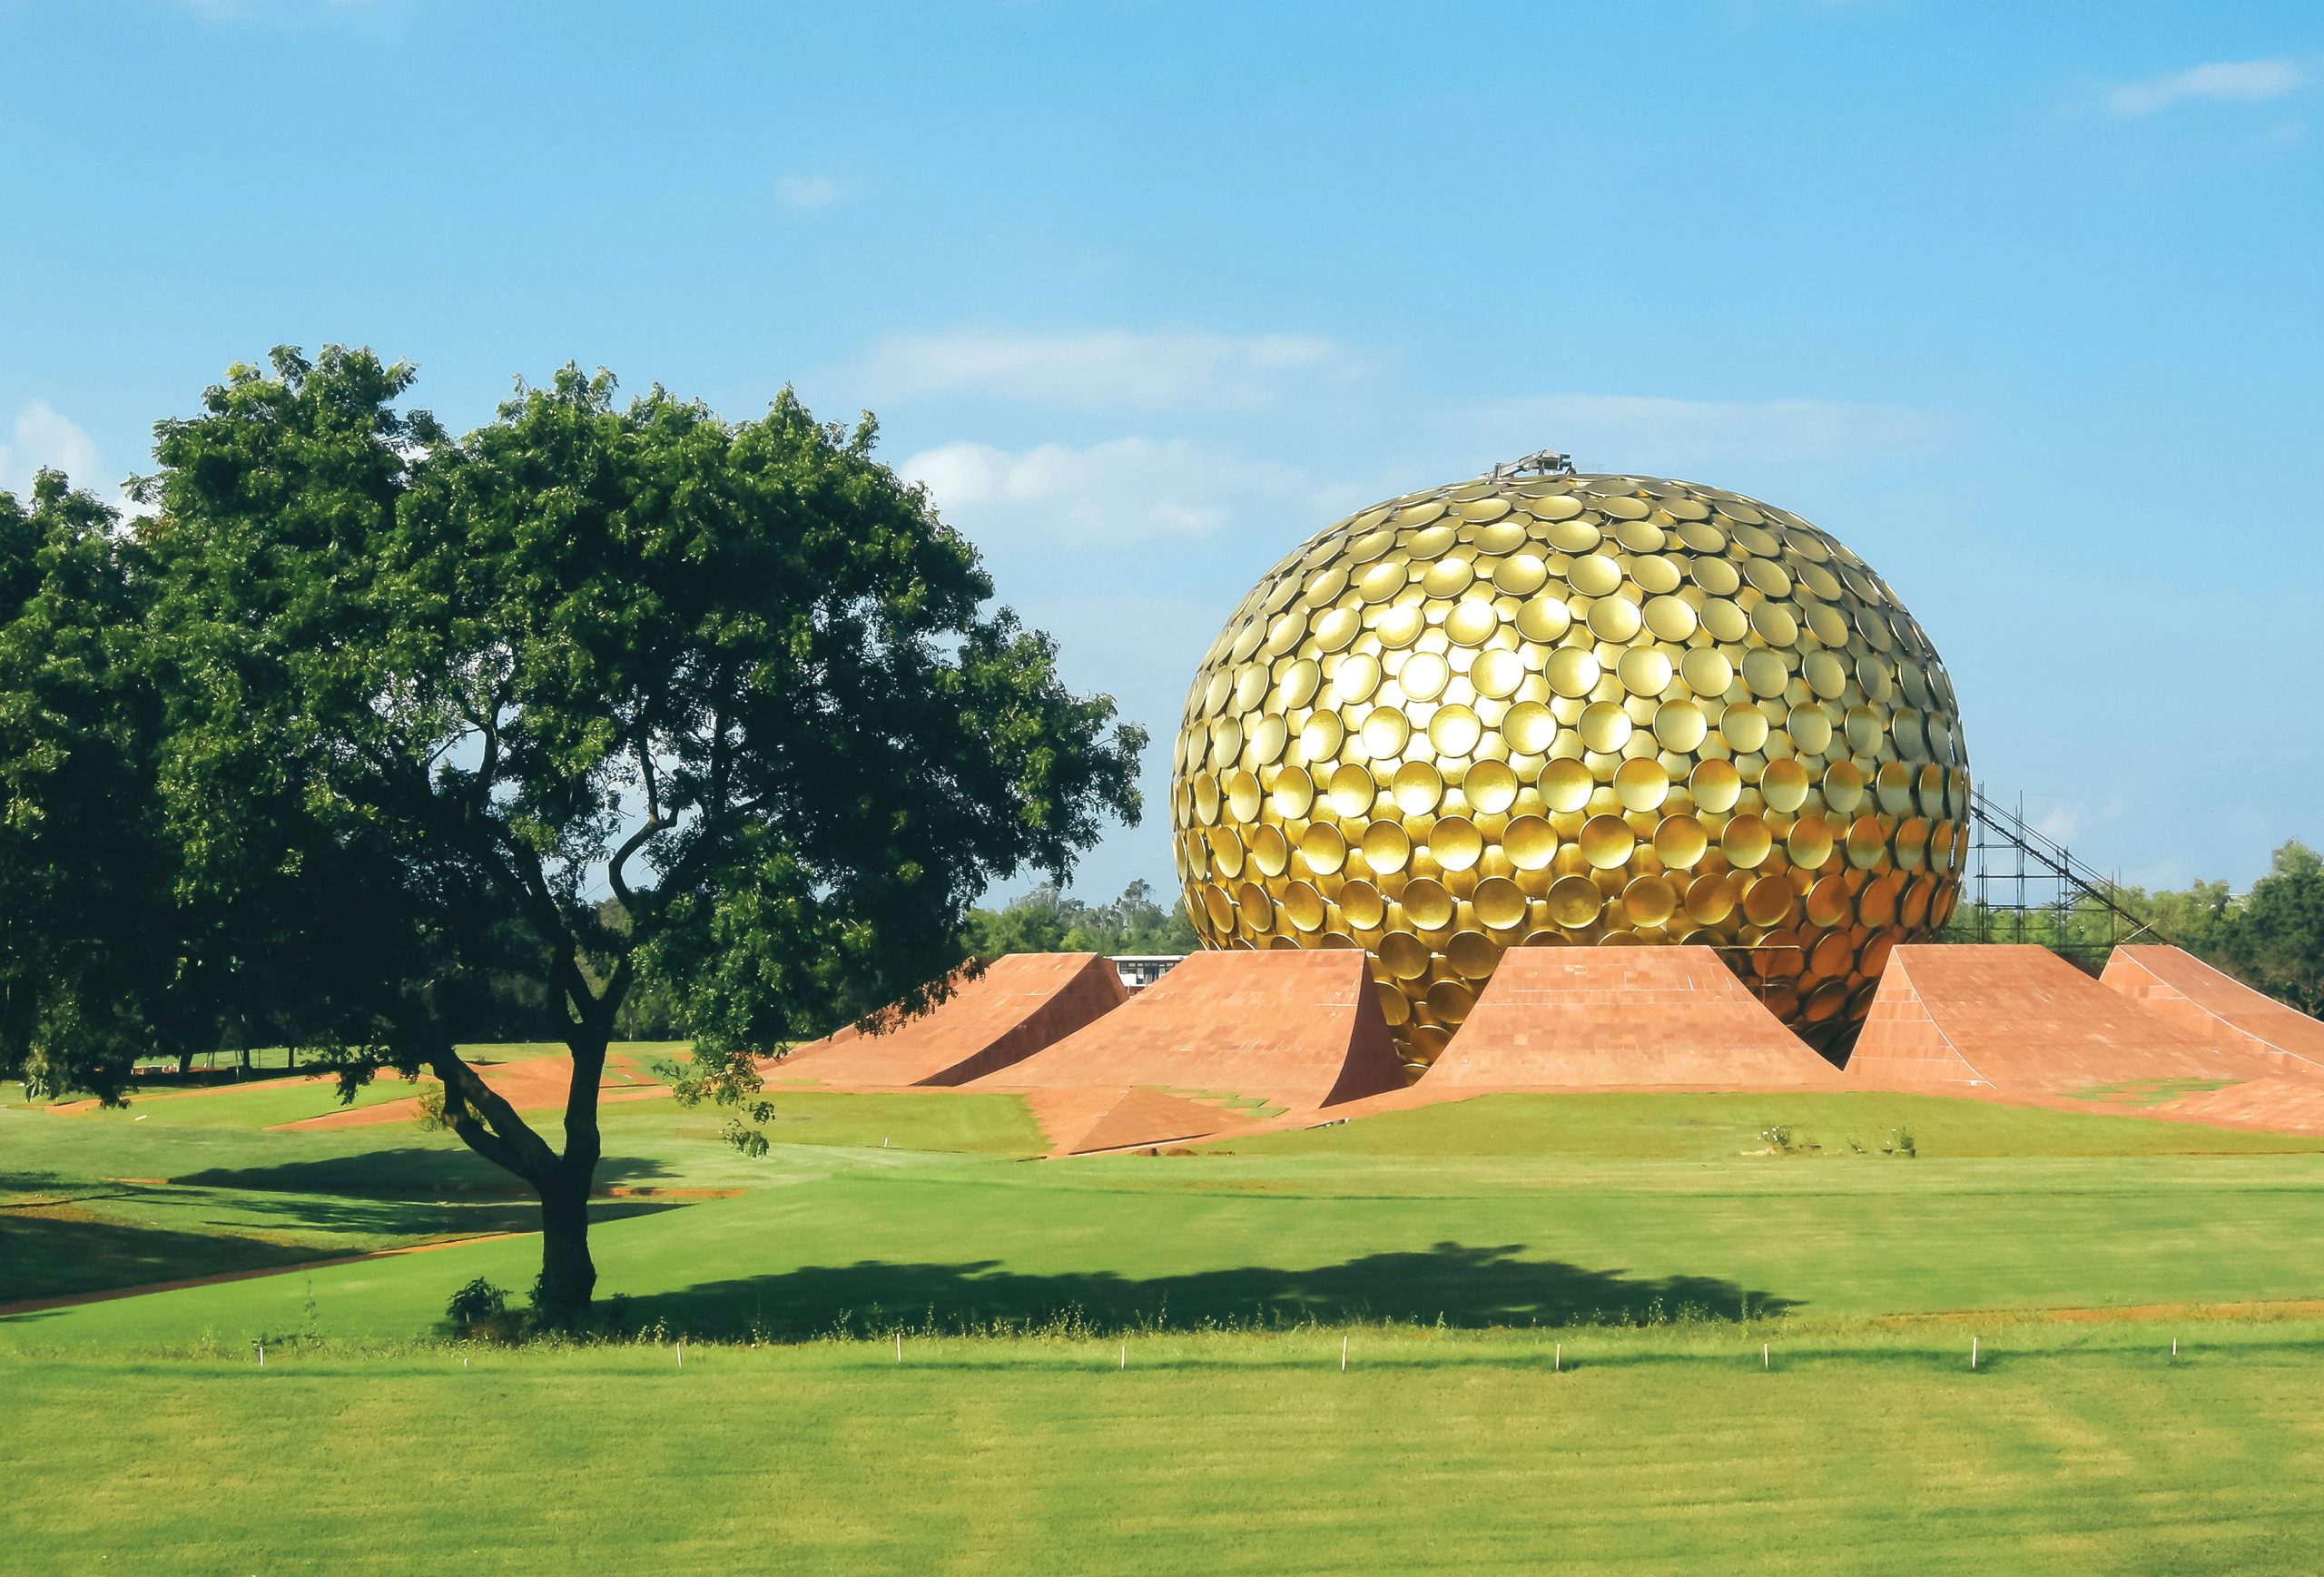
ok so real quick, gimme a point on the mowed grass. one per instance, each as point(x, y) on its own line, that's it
point(98, 1200)
point(1554, 1309)
point(1414, 1220)
point(2079, 1449)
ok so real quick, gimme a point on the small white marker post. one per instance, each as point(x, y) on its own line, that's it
point(1125, 1362)
point(262, 1354)
point(2174, 1347)
point(899, 1347)
point(1343, 1353)
point(1973, 1352)
point(1765, 1362)
point(1557, 1359)
point(681, 1354)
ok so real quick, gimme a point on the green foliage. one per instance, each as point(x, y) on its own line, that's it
point(430, 699)
point(87, 927)
point(1046, 920)
point(2278, 938)
point(478, 1301)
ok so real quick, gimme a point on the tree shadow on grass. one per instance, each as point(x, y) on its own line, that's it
point(56, 1253)
point(408, 1173)
point(1461, 1285)
point(51, 1256)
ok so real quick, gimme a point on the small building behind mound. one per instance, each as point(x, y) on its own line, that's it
point(1018, 1005)
point(1621, 1018)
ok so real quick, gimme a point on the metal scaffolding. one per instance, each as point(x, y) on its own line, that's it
point(2025, 886)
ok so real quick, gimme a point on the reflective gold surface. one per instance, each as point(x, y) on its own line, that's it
point(1545, 710)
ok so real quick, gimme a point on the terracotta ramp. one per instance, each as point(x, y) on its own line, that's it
point(1973, 1018)
point(1621, 1018)
point(1018, 1005)
point(2183, 988)
point(1292, 1029)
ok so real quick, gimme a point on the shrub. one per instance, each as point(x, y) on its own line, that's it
point(479, 1300)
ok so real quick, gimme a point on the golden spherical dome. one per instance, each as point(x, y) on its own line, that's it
point(1548, 709)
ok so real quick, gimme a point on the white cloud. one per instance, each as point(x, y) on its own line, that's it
point(806, 191)
point(1105, 367)
point(1666, 436)
point(40, 437)
point(1123, 490)
point(2236, 82)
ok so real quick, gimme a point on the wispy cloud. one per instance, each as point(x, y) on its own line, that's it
point(1107, 367)
point(40, 437)
point(2234, 82)
point(1666, 436)
point(1124, 491)
point(806, 192)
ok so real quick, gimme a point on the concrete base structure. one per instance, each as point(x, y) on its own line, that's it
point(1299, 1030)
point(1020, 1005)
point(2183, 988)
point(1621, 1018)
point(2020, 1019)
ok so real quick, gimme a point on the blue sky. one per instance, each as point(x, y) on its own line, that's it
point(2022, 302)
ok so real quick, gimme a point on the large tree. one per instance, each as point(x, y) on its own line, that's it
point(86, 912)
point(443, 698)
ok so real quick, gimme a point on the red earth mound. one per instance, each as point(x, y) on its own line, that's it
point(1016, 1006)
point(2019, 1018)
point(535, 1084)
point(1621, 1018)
point(2183, 988)
point(1296, 1029)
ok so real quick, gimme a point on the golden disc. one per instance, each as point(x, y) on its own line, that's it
point(1490, 786)
point(1499, 902)
point(1606, 842)
point(1455, 842)
point(1427, 904)
point(1679, 841)
point(1530, 842)
point(1574, 902)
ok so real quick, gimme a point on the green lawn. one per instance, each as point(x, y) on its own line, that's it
point(2072, 1449)
point(1659, 1239)
point(1597, 1207)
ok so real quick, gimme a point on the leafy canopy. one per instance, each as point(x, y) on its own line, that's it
point(443, 698)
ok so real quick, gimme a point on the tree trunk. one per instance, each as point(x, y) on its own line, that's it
point(568, 1276)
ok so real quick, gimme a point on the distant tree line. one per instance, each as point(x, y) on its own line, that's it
point(1046, 920)
point(2272, 937)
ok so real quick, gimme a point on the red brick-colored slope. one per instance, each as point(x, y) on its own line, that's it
point(1300, 1029)
point(1018, 1005)
point(534, 1084)
point(1621, 1018)
point(2021, 1018)
point(2183, 988)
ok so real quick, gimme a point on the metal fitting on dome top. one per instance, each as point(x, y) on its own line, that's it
point(1539, 463)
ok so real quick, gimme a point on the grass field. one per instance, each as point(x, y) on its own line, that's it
point(1660, 1239)
point(2071, 1449)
